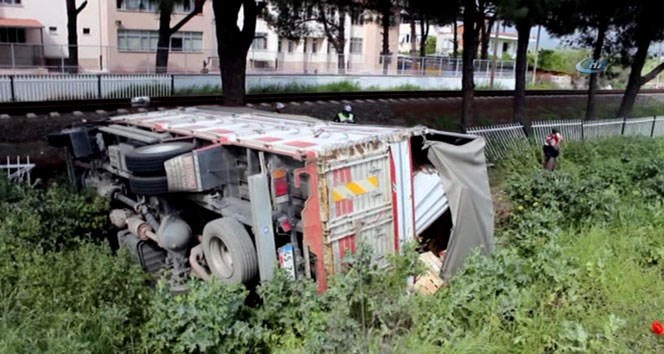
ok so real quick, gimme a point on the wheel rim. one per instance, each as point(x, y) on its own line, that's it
point(221, 258)
point(157, 149)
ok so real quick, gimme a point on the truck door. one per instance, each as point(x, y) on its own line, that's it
point(359, 207)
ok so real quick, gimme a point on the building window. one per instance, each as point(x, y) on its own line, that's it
point(10, 2)
point(506, 47)
point(356, 45)
point(291, 46)
point(314, 45)
point(86, 30)
point(280, 46)
point(152, 6)
point(260, 41)
point(12, 35)
point(53, 30)
point(146, 41)
point(177, 44)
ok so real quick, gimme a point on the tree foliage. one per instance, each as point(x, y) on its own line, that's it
point(524, 15)
point(295, 20)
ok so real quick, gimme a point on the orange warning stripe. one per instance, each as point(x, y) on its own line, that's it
point(355, 188)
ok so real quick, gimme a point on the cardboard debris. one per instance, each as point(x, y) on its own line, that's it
point(430, 282)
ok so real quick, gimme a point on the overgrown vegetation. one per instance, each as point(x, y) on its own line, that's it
point(578, 268)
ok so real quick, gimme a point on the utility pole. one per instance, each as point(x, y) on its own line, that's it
point(539, 28)
point(495, 53)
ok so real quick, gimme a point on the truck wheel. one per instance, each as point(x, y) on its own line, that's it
point(150, 158)
point(148, 185)
point(229, 251)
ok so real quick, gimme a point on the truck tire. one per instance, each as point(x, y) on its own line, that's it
point(150, 159)
point(148, 185)
point(229, 251)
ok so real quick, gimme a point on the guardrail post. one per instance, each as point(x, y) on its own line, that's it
point(12, 88)
point(172, 85)
point(583, 133)
point(98, 85)
point(622, 130)
point(527, 129)
point(652, 129)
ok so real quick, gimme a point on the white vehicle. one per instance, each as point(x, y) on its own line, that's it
point(234, 193)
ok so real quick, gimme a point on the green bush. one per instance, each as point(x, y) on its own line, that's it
point(578, 268)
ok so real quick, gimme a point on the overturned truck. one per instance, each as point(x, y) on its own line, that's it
point(235, 193)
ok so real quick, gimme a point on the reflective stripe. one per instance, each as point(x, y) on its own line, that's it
point(343, 118)
point(355, 188)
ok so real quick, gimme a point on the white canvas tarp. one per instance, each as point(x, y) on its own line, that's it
point(465, 178)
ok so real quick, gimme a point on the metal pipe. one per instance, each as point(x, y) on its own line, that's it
point(196, 267)
point(128, 201)
point(152, 221)
point(153, 236)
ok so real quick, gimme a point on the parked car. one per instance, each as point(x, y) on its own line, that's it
point(234, 193)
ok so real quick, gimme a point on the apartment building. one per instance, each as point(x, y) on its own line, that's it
point(120, 36)
point(506, 41)
point(27, 35)
point(315, 54)
point(113, 36)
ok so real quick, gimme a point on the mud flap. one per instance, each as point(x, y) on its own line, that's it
point(261, 212)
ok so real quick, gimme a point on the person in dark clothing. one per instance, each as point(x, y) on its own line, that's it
point(345, 116)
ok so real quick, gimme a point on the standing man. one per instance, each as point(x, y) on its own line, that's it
point(552, 149)
point(345, 116)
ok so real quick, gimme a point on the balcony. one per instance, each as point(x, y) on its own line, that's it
point(21, 43)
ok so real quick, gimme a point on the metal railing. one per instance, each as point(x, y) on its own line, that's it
point(21, 58)
point(501, 139)
point(26, 88)
point(506, 138)
point(16, 170)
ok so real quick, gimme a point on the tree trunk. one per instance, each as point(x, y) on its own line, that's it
point(413, 36)
point(341, 42)
point(233, 45)
point(413, 44)
point(385, 22)
point(72, 36)
point(597, 53)
point(233, 72)
point(483, 35)
point(336, 34)
point(455, 44)
point(519, 111)
point(424, 29)
point(163, 43)
point(635, 82)
point(467, 81)
point(486, 37)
